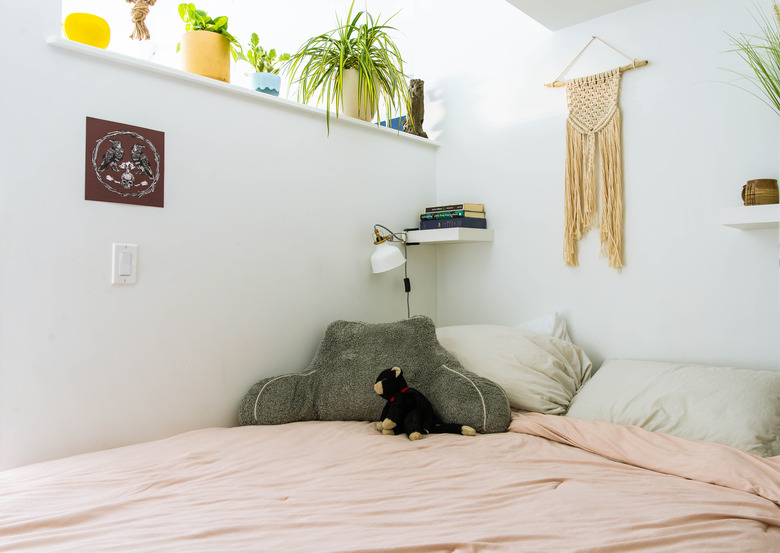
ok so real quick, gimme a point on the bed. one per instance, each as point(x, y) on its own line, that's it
point(602, 481)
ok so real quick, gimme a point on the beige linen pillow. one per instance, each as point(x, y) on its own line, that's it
point(538, 372)
point(726, 405)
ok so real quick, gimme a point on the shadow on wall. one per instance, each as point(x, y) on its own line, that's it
point(488, 107)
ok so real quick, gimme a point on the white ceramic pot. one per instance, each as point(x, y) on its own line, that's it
point(350, 82)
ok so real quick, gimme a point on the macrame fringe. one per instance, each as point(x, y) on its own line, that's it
point(592, 126)
point(572, 200)
point(611, 234)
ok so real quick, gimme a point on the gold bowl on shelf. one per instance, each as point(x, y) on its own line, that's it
point(760, 192)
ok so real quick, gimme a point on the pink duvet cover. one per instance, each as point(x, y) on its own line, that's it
point(551, 485)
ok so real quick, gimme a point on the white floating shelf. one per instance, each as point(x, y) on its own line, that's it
point(224, 88)
point(450, 235)
point(751, 217)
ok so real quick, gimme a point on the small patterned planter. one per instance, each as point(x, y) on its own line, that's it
point(268, 83)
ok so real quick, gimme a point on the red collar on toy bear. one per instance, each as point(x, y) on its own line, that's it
point(401, 392)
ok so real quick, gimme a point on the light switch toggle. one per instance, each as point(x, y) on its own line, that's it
point(125, 263)
point(124, 268)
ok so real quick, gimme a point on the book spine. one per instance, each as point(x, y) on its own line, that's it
point(466, 222)
point(456, 207)
point(442, 215)
point(438, 208)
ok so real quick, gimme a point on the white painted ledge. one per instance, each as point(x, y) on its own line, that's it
point(225, 88)
point(751, 217)
point(450, 235)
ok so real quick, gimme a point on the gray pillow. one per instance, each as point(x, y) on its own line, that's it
point(338, 384)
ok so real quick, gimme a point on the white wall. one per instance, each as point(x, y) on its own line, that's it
point(264, 239)
point(87, 365)
point(691, 289)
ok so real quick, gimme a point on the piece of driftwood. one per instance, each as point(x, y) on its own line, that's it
point(414, 120)
point(622, 69)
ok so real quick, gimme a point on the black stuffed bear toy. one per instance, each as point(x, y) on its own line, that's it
point(408, 411)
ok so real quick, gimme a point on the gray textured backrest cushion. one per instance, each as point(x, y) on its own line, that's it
point(338, 384)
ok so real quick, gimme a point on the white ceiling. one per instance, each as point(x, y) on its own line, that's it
point(557, 14)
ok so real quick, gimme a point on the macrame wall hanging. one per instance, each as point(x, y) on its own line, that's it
point(593, 126)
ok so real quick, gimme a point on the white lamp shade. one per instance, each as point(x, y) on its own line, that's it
point(386, 257)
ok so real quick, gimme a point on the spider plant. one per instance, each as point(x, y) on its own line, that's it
point(359, 42)
point(762, 53)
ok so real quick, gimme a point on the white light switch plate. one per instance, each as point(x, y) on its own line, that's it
point(124, 266)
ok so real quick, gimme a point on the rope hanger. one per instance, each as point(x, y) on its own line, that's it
point(633, 65)
point(138, 13)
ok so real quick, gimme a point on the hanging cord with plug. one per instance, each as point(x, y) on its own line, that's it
point(407, 284)
point(397, 237)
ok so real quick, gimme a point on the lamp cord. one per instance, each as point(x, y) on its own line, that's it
point(407, 284)
point(401, 237)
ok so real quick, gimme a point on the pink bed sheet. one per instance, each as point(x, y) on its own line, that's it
point(551, 484)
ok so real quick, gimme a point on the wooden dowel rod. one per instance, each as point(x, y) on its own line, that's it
point(638, 63)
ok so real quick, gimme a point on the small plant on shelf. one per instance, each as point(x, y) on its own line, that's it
point(198, 20)
point(261, 60)
point(266, 77)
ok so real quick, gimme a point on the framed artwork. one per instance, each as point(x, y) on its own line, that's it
point(124, 164)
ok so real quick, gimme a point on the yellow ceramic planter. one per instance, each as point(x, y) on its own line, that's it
point(206, 53)
point(87, 28)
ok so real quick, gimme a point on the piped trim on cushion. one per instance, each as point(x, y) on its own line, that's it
point(257, 399)
point(481, 397)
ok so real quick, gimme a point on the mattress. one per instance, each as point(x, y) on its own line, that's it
point(550, 483)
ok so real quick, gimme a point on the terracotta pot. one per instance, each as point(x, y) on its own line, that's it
point(760, 192)
point(350, 97)
point(206, 53)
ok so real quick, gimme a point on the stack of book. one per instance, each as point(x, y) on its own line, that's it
point(453, 216)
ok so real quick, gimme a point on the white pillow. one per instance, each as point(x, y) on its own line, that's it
point(726, 405)
point(552, 324)
point(538, 372)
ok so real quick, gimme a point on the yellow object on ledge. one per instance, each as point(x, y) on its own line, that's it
point(87, 28)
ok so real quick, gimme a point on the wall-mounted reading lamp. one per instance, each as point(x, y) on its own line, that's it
point(387, 256)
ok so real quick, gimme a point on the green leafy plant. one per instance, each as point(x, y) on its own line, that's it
point(262, 61)
point(198, 20)
point(762, 53)
point(359, 42)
